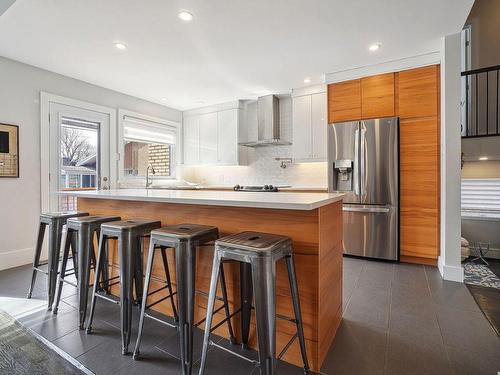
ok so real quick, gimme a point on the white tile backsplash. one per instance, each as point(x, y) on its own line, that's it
point(261, 167)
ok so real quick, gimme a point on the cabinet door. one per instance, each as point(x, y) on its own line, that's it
point(227, 137)
point(191, 140)
point(319, 125)
point(344, 101)
point(419, 187)
point(418, 92)
point(208, 138)
point(377, 96)
point(301, 119)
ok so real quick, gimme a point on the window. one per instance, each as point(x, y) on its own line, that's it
point(147, 143)
point(481, 194)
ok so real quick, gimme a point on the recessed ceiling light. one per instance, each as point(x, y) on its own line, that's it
point(163, 99)
point(374, 47)
point(120, 45)
point(201, 102)
point(483, 158)
point(307, 80)
point(185, 15)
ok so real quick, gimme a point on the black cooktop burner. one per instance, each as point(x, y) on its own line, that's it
point(265, 188)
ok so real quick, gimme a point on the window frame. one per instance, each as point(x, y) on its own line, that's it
point(175, 156)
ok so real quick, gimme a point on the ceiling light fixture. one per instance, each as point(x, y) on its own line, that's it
point(185, 15)
point(163, 99)
point(307, 80)
point(374, 47)
point(120, 45)
point(483, 158)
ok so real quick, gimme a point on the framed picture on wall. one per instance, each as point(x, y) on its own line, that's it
point(9, 150)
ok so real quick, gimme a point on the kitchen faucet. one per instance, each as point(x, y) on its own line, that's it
point(148, 183)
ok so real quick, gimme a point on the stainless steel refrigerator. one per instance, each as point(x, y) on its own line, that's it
point(363, 163)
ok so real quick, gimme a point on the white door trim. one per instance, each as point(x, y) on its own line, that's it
point(45, 100)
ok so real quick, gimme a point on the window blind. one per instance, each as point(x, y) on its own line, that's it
point(140, 130)
point(481, 194)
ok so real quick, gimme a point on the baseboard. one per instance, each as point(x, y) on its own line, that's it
point(451, 273)
point(16, 258)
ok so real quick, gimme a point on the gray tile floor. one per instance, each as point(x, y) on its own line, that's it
point(398, 319)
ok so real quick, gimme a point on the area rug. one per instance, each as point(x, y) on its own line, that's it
point(480, 274)
point(22, 353)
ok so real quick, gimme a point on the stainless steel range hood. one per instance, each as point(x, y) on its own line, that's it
point(268, 123)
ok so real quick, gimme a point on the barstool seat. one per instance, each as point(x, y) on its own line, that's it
point(55, 221)
point(260, 251)
point(184, 239)
point(130, 234)
point(81, 230)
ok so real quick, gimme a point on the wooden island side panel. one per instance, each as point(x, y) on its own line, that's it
point(317, 241)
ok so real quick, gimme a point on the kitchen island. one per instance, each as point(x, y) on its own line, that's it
point(312, 220)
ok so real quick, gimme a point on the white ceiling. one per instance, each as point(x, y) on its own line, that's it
point(232, 49)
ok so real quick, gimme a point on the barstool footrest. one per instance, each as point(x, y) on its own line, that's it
point(160, 300)
point(256, 363)
point(287, 346)
point(40, 270)
point(160, 320)
point(109, 299)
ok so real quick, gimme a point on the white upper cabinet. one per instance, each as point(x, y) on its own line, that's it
point(301, 118)
point(309, 126)
point(211, 136)
point(208, 138)
point(192, 140)
point(227, 137)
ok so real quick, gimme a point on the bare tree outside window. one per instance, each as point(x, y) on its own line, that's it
point(75, 145)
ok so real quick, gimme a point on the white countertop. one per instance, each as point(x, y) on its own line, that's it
point(280, 200)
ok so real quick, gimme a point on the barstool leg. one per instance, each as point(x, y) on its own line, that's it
point(147, 280)
point(185, 270)
point(74, 254)
point(66, 243)
point(245, 301)
point(263, 277)
point(85, 246)
point(139, 253)
point(292, 278)
point(36, 259)
point(127, 251)
point(232, 339)
point(169, 283)
point(210, 309)
point(55, 230)
point(100, 254)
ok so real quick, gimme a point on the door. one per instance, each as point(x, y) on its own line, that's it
point(191, 127)
point(343, 147)
point(379, 163)
point(301, 119)
point(79, 142)
point(227, 137)
point(208, 138)
point(319, 125)
point(371, 231)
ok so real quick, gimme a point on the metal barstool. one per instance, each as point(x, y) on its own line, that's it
point(55, 221)
point(130, 234)
point(81, 230)
point(184, 239)
point(261, 251)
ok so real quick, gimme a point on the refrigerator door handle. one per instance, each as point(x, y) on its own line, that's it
point(363, 160)
point(365, 209)
point(355, 172)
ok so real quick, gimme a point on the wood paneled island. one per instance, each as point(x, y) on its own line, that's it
point(312, 220)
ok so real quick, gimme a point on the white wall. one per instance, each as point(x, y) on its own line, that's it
point(262, 168)
point(20, 87)
point(449, 260)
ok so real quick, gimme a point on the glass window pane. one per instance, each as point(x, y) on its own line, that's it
point(139, 155)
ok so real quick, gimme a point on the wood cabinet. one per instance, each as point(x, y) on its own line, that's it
point(377, 96)
point(309, 127)
point(344, 101)
point(365, 98)
point(212, 138)
point(418, 103)
point(414, 96)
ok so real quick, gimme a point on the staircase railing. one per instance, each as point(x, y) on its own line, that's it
point(480, 112)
